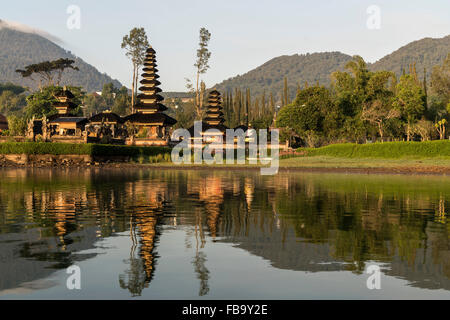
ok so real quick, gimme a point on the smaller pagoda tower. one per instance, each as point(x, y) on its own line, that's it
point(214, 118)
point(214, 114)
point(64, 105)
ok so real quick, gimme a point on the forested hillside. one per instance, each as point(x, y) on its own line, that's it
point(426, 53)
point(19, 49)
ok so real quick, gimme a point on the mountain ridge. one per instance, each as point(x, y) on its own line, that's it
point(427, 53)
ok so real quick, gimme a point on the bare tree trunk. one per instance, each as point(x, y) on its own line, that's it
point(136, 82)
point(380, 130)
point(197, 100)
point(132, 89)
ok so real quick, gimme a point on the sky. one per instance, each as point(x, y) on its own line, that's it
point(245, 33)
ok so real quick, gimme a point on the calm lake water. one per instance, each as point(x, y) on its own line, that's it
point(174, 234)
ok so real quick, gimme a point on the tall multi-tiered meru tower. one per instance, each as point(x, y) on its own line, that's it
point(152, 124)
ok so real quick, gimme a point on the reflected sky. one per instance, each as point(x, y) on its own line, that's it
point(204, 234)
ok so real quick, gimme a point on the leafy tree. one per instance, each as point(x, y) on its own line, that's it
point(46, 70)
point(136, 44)
point(201, 65)
point(11, 87)
point(351, 88)
point(307, 114)
point(41, 102)
point(378, 112)
point(11, 102)
point(440, 128)
point(17, 125)
point(93, 104)
point(377, 109)
point(121, 102)
point(424, 128)
point(410, 101)
point(440, 81)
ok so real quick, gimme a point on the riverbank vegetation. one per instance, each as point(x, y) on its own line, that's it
point(361, 105)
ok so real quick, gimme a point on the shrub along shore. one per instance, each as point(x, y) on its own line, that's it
point(96, 152)
point(55, 148)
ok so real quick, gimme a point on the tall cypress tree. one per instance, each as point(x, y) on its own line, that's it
point(425, 89)
point(247, 105)
point(285, 92)
point(263, 102)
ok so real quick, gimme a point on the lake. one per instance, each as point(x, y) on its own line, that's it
point(222, 234)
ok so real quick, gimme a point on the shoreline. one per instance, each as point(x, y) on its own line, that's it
point(400, 170)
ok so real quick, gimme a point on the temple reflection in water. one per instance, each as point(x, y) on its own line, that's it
point(295, 221)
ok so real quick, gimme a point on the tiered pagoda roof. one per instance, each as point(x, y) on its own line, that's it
point(64, 104)
point(149, 109)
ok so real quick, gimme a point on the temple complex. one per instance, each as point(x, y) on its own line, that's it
point(151, 123)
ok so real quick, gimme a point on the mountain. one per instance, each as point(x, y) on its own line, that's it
point(19, 49)
point(427, 53)
point(315, 67)
point(297, 68)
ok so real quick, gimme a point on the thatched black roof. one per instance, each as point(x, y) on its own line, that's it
point(155, 89)
point(69, 119)
point(64, 93)
point(206, 126)
point(214, 113)
point(151, 106)
point(150, 96)
point(214, 93)
point(148, 75)
point(69, 105)
point(242, 126)
point(214, 119)
point(154, 82)
point(106, 117)
point(151, 118)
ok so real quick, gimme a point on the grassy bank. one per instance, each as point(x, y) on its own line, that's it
point(386, 150)
point(81, 149)
point(336, 162)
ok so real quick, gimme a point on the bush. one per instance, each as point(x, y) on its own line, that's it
point(17, 126)
point(44, 148)
point(388, 150)
point(88, 149)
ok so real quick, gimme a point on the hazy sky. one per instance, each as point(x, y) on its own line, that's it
point(245, 33)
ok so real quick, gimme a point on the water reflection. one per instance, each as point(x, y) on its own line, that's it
point(296, 221)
